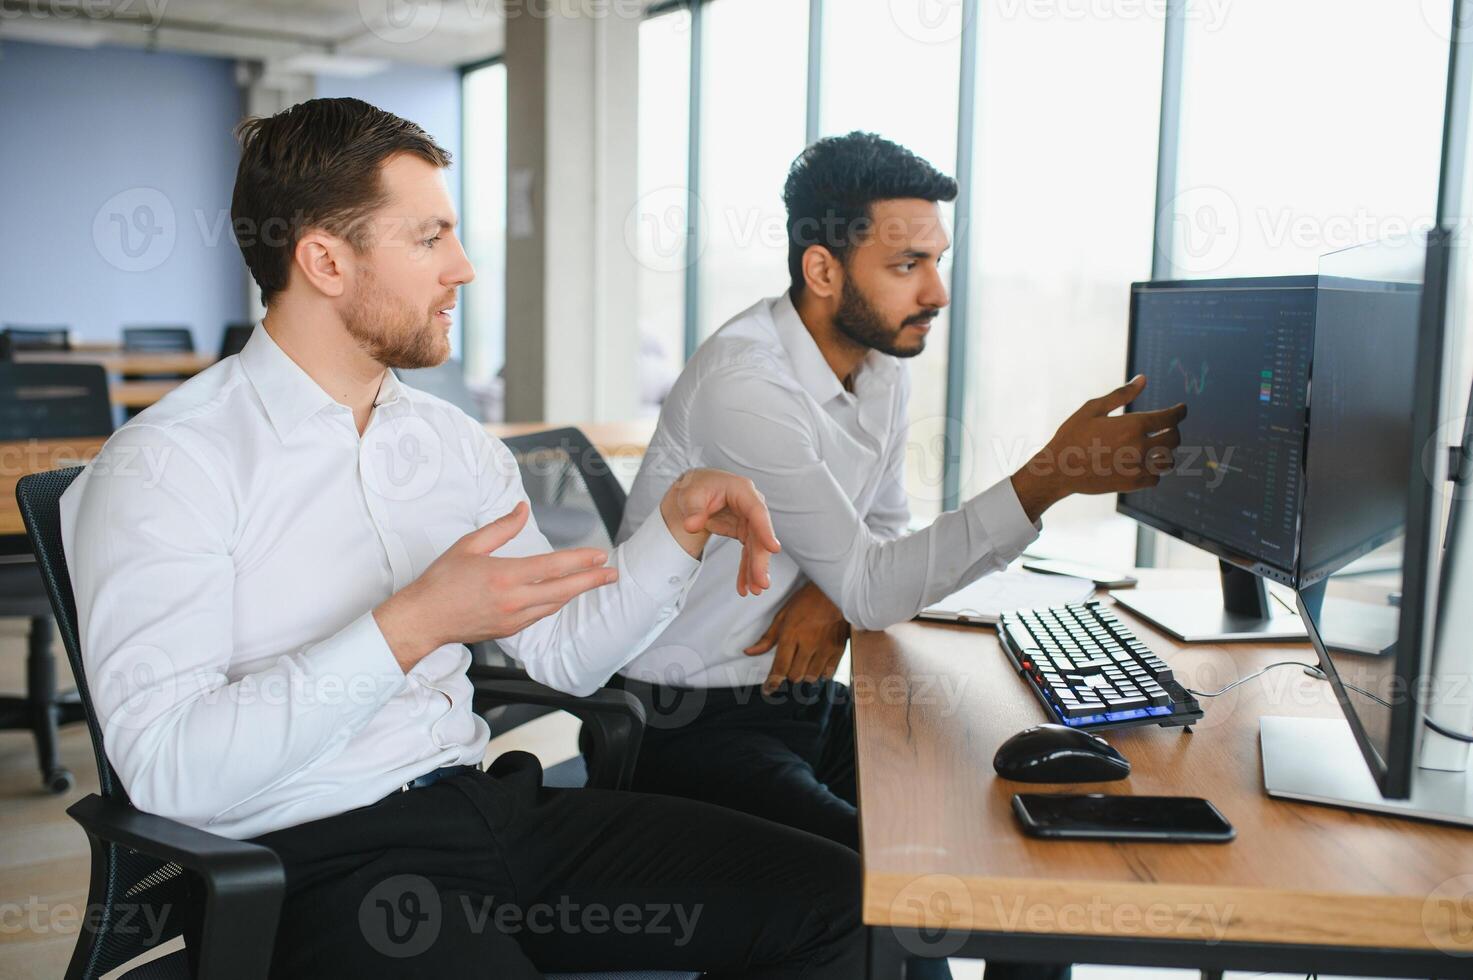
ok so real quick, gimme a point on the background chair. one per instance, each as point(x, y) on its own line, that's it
point(52, 338)
point(44, 401)
point(233, 340)
point(158, 340)
point(224, 896)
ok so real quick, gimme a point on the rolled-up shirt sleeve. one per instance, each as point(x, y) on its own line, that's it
point(878, 576)
point(149, 553)
point(579, 647)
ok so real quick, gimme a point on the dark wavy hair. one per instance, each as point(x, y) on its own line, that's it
point(833, 184)
point(315, 165)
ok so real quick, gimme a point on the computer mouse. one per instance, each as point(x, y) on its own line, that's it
point(1059, 754)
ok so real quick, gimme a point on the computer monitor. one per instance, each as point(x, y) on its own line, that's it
point(1372, 555)
point(1237, 352)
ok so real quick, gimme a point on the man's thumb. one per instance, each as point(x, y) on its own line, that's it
point(484, 540)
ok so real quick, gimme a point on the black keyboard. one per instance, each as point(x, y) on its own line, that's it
point(1090, 670)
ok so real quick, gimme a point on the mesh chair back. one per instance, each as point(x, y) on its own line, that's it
point(132, 891)
point(54, 401)
point(158, 340)
point(234, 339)
point(577, 500)
point(39, 338)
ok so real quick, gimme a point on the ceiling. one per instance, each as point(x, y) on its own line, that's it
point(326, 37)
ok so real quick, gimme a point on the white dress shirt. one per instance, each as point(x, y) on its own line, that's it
point(227, 548)
point(758, 399)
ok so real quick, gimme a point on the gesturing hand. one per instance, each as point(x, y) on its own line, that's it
point(468, 595)
point(705, 502)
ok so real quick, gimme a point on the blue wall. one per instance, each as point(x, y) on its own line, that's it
point(115, 201)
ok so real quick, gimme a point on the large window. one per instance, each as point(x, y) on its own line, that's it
point(658, 224)
point(483, 219)
point(1064, 187)
point(887, 76)
point(753, 112)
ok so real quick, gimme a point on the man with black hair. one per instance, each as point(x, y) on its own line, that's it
point(806, 394)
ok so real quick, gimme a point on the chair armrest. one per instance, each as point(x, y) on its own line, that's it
point(244, 882)
point(613, 720)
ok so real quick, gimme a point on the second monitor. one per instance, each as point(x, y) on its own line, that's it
point(1237, 352)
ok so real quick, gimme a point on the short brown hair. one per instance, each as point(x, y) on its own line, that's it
point(315, 165)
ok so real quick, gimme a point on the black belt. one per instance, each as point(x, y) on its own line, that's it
point(430, 778)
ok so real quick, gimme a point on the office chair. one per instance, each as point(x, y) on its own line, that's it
point(49, 338)
point(233, 340)
point(445, 381)
point(158, 340)
point(44, 401)
point(222, 895)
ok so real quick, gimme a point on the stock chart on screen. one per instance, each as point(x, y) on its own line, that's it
point(1237, 352)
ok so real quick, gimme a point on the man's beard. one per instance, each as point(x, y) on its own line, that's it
point(391, 331)
point(858, 320)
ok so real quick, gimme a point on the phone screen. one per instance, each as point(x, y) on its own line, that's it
point(1141, 817)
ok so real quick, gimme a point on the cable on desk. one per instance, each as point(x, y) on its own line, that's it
point(1243, 680)
point(1314, 671)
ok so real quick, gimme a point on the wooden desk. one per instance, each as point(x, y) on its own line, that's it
point(612, 439)
point(947, 871)
point(26, 456)
point(118, 362)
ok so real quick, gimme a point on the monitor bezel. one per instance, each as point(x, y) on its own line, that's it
point(1285, 575)
point(1393, 774)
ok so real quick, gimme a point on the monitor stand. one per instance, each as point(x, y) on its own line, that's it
point(1316, 760)
point(1243, 611)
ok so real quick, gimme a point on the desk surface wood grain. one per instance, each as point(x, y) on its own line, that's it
point(942, 848)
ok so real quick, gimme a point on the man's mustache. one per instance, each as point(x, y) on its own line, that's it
point(920, 319)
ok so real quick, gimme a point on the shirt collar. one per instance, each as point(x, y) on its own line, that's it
point(288, 393)
point(809, 367)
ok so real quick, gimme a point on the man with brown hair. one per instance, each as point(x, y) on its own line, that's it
point(273, 612)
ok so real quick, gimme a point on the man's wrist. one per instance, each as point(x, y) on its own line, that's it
point(407, 641)
point(693, 543)
point(1037, 492)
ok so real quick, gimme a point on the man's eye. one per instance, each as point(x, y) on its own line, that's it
point(907, 266)
point(430, 242)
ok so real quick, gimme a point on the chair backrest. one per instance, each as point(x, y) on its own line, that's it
point(233, 340)
point(445, 381)
point(39, 338)
point(157, 891)
point(54, 401)
point(161, 340)
point(577, 500)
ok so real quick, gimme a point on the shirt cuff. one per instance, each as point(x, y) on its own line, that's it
point(358, 659)
point(1003, 519)
point(656, 562)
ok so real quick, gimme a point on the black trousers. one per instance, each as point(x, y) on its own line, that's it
point(492, 875)
point(787, 757)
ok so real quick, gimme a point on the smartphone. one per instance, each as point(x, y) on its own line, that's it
point(1103, 578)
point(1097, 816)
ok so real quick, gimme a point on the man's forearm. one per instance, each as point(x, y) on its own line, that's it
point(1037, 492)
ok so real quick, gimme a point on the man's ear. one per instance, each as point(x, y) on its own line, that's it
point(823, 273)
point(324, 260)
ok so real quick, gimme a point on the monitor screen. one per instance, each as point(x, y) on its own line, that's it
point(1369, 521)
point(1237, 352)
